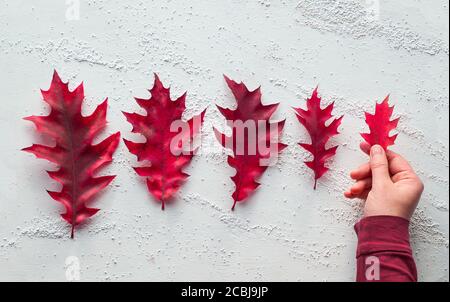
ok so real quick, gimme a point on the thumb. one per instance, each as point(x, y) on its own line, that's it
point(379, 166)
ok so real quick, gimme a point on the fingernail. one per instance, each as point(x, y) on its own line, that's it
point(376, 150)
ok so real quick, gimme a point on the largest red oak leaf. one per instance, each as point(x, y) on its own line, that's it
point(168, 145)
point(251, 129)
point(314, 119)
point(381, 125)
point(75, 155)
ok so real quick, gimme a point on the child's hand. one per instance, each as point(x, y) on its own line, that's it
point(388, 183)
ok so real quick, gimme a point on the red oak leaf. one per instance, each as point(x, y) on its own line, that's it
point(314, 119)
point(254, 141)
point(380, 125)
point(167, 149)
point(78, 160)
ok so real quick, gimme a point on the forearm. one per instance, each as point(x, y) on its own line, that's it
point(384, 252)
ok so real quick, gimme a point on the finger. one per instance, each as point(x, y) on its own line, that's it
point(406, 175)
point(365, 147)
point(362, 172)
point(397, 164)
point(362, 195)
point(379, 166)
point(361, 186)
point(348, 194)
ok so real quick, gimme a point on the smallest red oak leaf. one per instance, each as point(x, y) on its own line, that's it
point(314, 119)
point(381, 125)
point(169, 141)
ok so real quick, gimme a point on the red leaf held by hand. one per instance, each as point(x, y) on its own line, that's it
point(380, 125)
point(164, 148)
point(77, 159)
point(254, 140)
point(314, 119)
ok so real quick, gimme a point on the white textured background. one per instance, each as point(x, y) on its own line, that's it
point(286, 231)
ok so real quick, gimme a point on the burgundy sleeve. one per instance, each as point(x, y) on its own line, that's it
point(384, 252)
